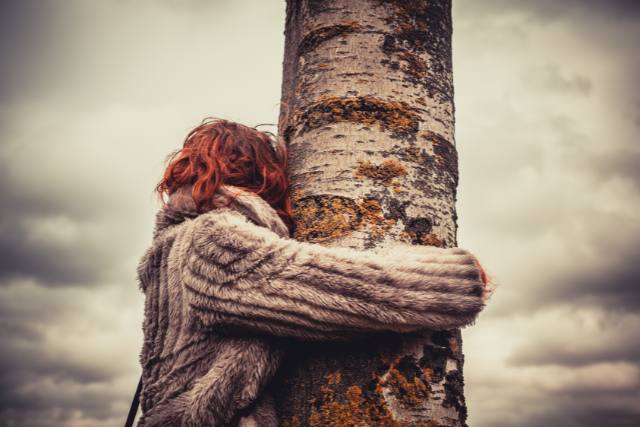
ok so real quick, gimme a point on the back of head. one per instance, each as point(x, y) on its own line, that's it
point(224, 152)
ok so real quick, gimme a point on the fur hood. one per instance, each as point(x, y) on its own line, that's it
point(181, 206)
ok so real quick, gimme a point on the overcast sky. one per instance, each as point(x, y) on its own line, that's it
point(95, 94)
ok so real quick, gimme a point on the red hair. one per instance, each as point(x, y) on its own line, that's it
point(224, 152)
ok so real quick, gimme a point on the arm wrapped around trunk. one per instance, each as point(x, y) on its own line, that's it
point(240, 276)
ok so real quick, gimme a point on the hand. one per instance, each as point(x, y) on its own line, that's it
point(489, 284)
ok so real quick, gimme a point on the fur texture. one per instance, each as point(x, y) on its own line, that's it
point(228, 290)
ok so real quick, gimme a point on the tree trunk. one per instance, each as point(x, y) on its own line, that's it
point(367, 112)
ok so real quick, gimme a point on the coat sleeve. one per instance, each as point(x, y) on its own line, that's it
point(241, 277)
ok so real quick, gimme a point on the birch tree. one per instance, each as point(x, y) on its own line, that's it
point(368, 114)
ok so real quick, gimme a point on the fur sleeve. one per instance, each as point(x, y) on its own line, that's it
point(240, 276)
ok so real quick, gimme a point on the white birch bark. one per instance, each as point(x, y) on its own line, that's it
point(367, 111)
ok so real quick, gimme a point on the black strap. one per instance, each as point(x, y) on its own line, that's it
point(134, 405)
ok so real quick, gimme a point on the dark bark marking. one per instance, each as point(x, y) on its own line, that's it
point(417, 227)
point(317, 36)
point(421, 28)
point(396, 209)
point(418, 230)
point(436, 354)
point(320, 6)
point(445, 154)
point(412, 152)
point(454, 394)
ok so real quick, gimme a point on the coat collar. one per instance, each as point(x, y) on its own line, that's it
point(181, 206)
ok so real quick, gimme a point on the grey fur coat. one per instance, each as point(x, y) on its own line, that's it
point(228, 290)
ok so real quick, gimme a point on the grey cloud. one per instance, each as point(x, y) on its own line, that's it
point(616, 157)
point(25, 317)
point(579, 413)
point(78, 264)
point(29, 32)
point(40, 374)
point(194, 6)
point(24, 359)
point(610, 407)
point(616, 9)
point(623, 163)
point(18, 407)
point(615, 341)
point(77, 256)
point(609, 282)
point(615, 285)
point(553, 9)
point(550, 77)
point(571, 170)
point(114, 70)
point(545, 399)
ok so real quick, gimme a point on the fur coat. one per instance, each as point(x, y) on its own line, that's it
point(228, 290)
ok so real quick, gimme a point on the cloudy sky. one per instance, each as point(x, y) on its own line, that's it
point(94, 95)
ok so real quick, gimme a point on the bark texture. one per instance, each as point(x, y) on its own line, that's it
point(367, 112)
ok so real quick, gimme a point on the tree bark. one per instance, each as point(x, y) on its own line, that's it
point(367, 112)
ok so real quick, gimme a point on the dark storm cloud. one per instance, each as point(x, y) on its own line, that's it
point(74, 257)
point(614, 284)
point(40, 371)
point(38, 406)
point(615, 340)
point(25, 316)
point(51, 264)
point(597, 411)
point(27, 46)
point(609, 282)
point(608, 278)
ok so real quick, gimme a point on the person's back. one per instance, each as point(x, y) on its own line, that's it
point(227, 290)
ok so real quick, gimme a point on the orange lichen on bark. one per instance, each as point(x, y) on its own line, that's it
point(411, 394)
point(395, 116)
point(352, 411)
point(428, 373)
point(344, 405)
point(432, 240)
point(405, 237)
point(293, 422)
point(373, 216)
point(324, 217)
point(384, 172)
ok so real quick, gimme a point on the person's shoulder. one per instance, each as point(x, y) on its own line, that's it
point(230, 228)
point(223, 216)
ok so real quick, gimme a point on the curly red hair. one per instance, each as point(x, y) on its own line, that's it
point(224, 152)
